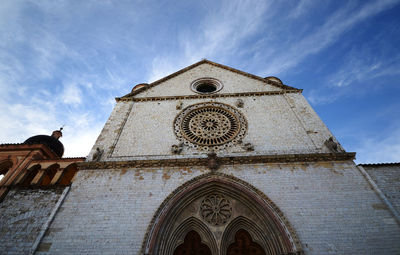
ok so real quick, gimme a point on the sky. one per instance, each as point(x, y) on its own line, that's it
point(62, 63)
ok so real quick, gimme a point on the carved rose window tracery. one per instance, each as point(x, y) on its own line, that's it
point(216, 209)
point(210, 126)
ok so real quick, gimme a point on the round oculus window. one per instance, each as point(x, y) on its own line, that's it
point(210, 126)
point(206, 86)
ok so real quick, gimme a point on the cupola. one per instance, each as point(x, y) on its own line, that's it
point(52, 142)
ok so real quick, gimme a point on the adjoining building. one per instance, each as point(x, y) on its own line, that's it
point(208, 160)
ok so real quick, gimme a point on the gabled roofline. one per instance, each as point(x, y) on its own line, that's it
point(204, 61)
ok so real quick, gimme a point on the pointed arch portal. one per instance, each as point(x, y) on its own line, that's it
point(220, 215)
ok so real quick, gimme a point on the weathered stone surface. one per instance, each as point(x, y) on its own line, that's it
point(277, 124)
point(329, 204)
point(387, 177)
point(280, 175)
point(22, 215)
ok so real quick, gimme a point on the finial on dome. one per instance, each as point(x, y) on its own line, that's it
point(57, 133)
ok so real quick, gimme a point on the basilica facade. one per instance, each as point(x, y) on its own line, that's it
point(208, 160)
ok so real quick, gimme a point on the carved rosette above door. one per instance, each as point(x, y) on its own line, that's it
point(210, 126)
point(216, 209)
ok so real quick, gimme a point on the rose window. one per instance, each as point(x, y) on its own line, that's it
point(210, 125)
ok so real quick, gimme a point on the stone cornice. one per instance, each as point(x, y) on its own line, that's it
point(243, 94)
point(283, 158)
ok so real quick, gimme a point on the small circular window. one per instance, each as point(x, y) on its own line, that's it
point(206, 86)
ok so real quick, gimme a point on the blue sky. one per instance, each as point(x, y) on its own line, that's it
point(64, 62)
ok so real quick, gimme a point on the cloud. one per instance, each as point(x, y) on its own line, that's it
point(219, 33)
point(71, 94)
point(21, 121)
point(318, 97)
point(363, 66)
point(45, 81)
point(302, 7)
point(49, 52)
point(162, 66)
point(223, 32)
point(380, 149)
point(328, 33)
point(63, 62)
point(225, 28)
point(80, 133)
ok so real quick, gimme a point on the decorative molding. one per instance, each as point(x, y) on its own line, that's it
point(230, 160)
point(239, 103)
point(241, 94)
point(177, 148)
point(212, 161)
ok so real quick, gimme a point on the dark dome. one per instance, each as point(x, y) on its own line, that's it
point(54, 144)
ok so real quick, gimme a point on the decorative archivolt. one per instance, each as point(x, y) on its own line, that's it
point(249, 210)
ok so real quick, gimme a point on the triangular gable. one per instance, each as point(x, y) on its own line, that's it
point(150, 90)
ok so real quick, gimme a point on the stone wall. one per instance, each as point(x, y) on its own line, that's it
point(147, 132)
point(23, 212)
point(387, 177)
point(111, 130)
point(330, 206)
point(277, 124)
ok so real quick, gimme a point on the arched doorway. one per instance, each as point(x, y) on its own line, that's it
point(226, 214)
